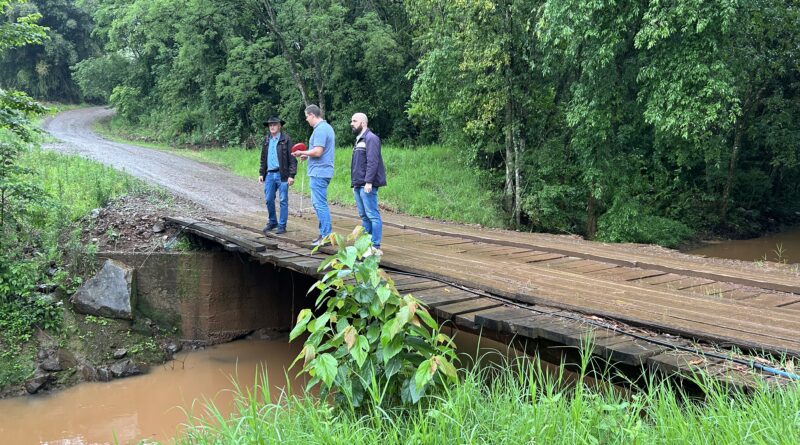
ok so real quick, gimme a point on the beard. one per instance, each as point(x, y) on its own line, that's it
point(356, 130)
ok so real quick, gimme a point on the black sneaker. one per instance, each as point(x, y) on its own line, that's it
point(280, 231)
point(317, 242)
point(269, 227)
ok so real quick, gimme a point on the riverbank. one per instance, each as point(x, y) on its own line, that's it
point(83, 207)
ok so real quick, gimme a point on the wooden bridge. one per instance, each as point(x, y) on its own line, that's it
point(668, 312)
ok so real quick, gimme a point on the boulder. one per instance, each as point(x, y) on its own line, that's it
point(37, 382)
point(110, 293)
point(127, 368)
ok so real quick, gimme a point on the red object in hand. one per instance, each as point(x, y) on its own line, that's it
point(298, 147)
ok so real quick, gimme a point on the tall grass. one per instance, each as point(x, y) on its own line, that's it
point(429, 181)
point(77, 185)
point(513, 403)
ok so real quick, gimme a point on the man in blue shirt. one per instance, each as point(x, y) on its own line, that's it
point(320, 167)
point(277, 173)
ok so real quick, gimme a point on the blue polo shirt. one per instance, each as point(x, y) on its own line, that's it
point(322, 167)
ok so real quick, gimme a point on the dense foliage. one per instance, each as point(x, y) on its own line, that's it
point(623, 121)
point(43, 69)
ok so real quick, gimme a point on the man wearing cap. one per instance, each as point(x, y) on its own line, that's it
point(367, 175)
point(277, 172)
point(320, 167)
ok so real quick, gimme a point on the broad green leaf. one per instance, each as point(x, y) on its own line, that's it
point(359, 352)
point(425, 316)
point(424, 374)
point(392, 348)
point(384, 293)
point(300, 326)
point(326, 368)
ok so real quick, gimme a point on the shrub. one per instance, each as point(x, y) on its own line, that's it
point(371, 345)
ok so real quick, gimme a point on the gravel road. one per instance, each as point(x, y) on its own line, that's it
point(215, 189)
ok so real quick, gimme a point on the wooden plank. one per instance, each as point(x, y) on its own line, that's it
point(741, 294)
point(449, 311)
point(688, 282)
point(511, 251)
point(468, 319)
point(545, 257)
point(714, 289)
point(499, 320)
point(772, 300)
point(433, 300)
point(200, 227)
point(634, 352)
point(660, 279)
point(413, 287)
point(560, 261)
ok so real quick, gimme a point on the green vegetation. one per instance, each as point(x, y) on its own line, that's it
point(512, 403)
point(371, 346)
point(620, 121)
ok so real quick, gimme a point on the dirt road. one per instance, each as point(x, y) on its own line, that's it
point(217, 190)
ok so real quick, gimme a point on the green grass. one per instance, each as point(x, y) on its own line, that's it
point(40, 234)
point(514, 404)
point(429, 181)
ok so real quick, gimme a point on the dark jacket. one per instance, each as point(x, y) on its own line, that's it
point(286, 162)
point(367, 164)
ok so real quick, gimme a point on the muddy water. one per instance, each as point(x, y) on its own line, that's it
point(154, 406)
point(780, 247)
point(143, 407)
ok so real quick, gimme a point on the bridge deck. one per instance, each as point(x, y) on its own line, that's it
point(682, 295)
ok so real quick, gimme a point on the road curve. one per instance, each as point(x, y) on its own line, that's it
point(216, 189)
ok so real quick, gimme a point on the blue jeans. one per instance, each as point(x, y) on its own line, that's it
point(367, 204)
point(272, 184)
point(319, 198)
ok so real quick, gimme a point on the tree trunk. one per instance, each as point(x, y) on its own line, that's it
point(591, 216)
point(726, 192)
point(271, 22)
point(519, 148)
point(508, 192)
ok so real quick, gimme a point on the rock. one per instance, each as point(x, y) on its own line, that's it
point(51, 364)
point(127, 368)
point(51, 271)
point(173, 347)
point(88, 373)
point(45, 288)
point(94, 240)
point(38, 382)
point(95, 213)
point(120, 353)
point(110, 293)
point(103, 374)
point(158, 227)
point(58, 361)
point(42, 354)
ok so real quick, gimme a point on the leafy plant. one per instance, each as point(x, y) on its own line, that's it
point(371, 345)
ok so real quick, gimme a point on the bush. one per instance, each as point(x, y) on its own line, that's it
point(628, 221)
point(371, 346)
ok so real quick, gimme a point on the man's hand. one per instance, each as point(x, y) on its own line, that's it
point(290, 181)
point(261, 179)
point(368, 187)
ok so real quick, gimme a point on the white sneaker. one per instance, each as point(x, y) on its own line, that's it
point(373, 251)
